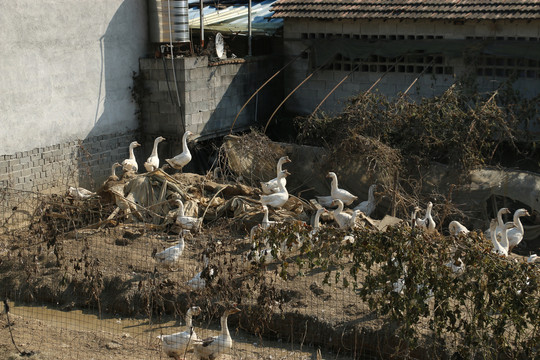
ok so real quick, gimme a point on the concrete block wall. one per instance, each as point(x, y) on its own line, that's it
point(306, 99)
point(54, 168)
point(210, 95)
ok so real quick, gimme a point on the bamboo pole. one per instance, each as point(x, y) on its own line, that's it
point(290, 94)
point(263, 85)
point(418, 77)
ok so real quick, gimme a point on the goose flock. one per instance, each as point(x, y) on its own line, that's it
point(339, 206)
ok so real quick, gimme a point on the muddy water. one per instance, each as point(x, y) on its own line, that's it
point(143, 333)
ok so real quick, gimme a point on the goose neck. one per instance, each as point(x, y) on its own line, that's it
point(224, 327)
point(517, 221)
point(154, 149)
point(180, 208)
point(189, 320)
point(131, 154)
point(184, 143)
point(316, 223)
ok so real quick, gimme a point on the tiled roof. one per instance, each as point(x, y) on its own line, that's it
point(408, 9)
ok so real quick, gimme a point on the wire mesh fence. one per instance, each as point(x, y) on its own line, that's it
point(95, 278)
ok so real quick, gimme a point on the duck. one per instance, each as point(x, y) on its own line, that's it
point(497, 247)
point(515, 234)
point(271, 186)
point(176, 345)
point(455, 228)
point(130, 164)
point(280, 197)
point(182, 159)
point(343, 219)
point(368, 206)
point(152, 163)
point(210, 348)
point(336, 193)
point(427, 222)
point(199, 280)
point(186, 222)
point(170, 255)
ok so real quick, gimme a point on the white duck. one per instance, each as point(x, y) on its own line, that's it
point(427, 222)
point(198, 281)
point(342, 218)
point(152, 163)
point(271, 186)
point(170, 255)
point(210, 348)
point(497, 247)
point(176, 345)
point(280, 197)
point(368, 206)
point(130, 164)
point(515, 234)
point(182, 159)
point(186, 222)
point(336, 193)
point(455, 228)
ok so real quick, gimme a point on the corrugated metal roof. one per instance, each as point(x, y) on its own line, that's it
point(234, 18)
point(408, 9)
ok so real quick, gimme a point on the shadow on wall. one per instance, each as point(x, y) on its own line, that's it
point(116, 120)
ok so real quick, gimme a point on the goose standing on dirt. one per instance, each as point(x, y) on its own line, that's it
point(368, 206)
point(186, 222)
point(182, 159)
point(176, 345)
point(210, 348)
point(455, 228)
point(336, 193)
point(170, 255)
point(130, 164)
point(152, 163)
point(515, 234)
point(279, 198)
point(427, 222)
point(271, 186)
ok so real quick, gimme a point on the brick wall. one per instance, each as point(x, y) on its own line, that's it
point(299, 33)
point(54, 168)
point(210, 94)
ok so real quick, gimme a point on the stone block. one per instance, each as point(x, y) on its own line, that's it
point(149, 64)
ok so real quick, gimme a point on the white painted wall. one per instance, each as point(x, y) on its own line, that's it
point(66, 69)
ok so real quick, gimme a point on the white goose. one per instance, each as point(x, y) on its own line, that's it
point(280, 197)
point(343, 219)
point(368, 206)
point(113, 176)
point(186, 222)
point(515, 234)
point(266, 223)
point(455, 228)
point(170, 255)
point(497, 247)
point(414, 216)
point(152, 163)
point(130, 164)
point(500, 222)
point(80, 193)
point(212, 347)
point(176, 345)
point(427, 222)
point(336, 193)
point(316, 221)
point(272, 185)
point(198, 281)
point(182, 159)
